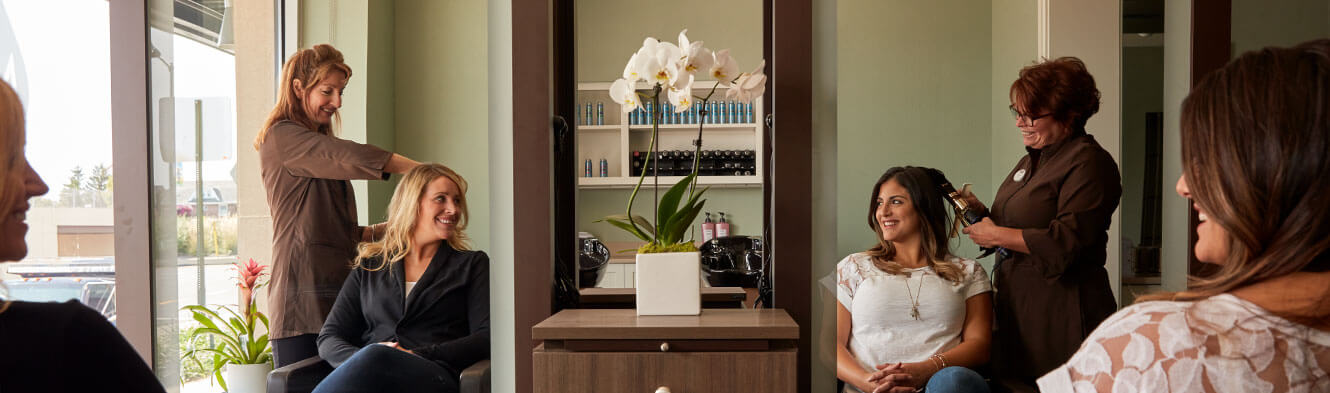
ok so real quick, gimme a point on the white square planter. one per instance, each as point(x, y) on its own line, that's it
point(669, 284)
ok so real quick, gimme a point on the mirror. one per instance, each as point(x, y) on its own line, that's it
point(611, 145)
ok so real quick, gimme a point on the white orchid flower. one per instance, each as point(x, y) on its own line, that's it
point(666, 72)
point(681, 93)
point(694, 56)
point(630, 71)
point(723, 68)
point(622, 92)
point(749, 85)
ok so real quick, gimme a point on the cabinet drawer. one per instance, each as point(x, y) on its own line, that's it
point(683, 372)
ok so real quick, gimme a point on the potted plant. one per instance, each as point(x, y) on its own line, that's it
point(233, 339)
point(668, 276)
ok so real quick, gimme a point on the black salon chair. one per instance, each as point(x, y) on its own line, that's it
point(303, 376)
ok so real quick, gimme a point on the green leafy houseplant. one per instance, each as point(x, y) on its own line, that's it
point(228, 336)
point(670, 69)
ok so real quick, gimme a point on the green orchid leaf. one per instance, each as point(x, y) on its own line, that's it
point(669, 204)
point(686, 217)
point(641, 222)
point(629, 228)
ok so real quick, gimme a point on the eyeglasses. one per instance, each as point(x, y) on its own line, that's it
point(1027, 118)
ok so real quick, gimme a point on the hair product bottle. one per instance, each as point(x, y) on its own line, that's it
point(723, 226)
point(708, 228)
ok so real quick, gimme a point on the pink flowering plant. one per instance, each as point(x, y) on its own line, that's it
point(227, 335)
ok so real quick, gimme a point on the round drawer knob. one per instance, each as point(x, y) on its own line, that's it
point(663, 389)
point(664, 347)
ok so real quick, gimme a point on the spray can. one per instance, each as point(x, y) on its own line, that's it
point(589, 120)
point(604, 168)
point(600, 113)
point(587, 170)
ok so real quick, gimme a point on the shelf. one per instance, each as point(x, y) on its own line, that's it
point(693, 127)
point(607, 127)
point(667, 181)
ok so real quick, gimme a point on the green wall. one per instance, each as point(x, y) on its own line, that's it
point(1258, 23)
point(419, 88)
point(904, 100)
point(609, 32)
point(442, 96)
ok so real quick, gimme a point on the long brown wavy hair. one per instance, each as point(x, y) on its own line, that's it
point(1256, 156)
point(402, 211)
point(310, 67)
point(924, 187)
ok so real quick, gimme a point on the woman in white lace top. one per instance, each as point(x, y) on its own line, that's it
point(1256, 162)
point(910, 315)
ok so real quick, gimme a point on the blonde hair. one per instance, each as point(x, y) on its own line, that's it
point(13, 165)
point(310, 67)
point(402, 212)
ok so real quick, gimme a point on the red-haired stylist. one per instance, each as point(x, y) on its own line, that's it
point(306, 172)
point(1052, 214)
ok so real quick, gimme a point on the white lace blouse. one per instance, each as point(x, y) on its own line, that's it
point(1220, 344)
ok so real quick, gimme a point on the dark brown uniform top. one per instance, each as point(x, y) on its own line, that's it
point(314, 225)
point(1062, 198)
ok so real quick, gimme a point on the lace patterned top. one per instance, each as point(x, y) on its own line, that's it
point(1220, 344)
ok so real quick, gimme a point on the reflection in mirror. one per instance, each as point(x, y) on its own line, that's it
point(1143, 112)
point(612, 145)
point(906, 83)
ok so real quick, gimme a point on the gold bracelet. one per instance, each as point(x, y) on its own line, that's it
point(935, 364)
point(943, 359)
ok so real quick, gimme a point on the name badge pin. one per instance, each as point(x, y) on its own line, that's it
point(1020, 175)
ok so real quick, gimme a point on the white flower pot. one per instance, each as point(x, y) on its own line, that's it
point(247, 378)
point(669, 284)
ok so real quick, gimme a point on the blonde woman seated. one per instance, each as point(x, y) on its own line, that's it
point(1255, 160)
point(415, 310)
point(910, 315)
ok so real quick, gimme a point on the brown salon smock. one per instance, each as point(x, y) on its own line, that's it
point(306, 175)
point(1062, 199)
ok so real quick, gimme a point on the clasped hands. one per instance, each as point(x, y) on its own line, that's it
point(899, 377)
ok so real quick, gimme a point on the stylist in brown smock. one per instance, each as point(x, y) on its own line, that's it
point(306, 172)
point(1051, 214)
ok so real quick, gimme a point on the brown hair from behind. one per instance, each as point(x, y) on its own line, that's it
point(309, 67)
point(1256, 156)
point(1062, 87)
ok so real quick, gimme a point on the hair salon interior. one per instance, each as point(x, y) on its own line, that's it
point(633, 196)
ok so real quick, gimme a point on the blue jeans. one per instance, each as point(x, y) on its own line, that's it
point(379, 368)
point(956, 379)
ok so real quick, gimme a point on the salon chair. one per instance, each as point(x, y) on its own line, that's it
point(303, 376)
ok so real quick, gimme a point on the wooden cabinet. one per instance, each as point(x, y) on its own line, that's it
point(721, 350)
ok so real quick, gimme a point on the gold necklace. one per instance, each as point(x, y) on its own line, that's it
point(914, 300)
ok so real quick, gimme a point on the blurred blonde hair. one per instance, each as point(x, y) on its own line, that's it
point(402, 211)
point(13, 165)
point(310, 67)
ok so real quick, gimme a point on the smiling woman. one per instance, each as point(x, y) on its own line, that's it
point(414, 312)
point(306, 172)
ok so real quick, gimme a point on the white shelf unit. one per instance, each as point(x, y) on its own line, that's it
point(617, 139)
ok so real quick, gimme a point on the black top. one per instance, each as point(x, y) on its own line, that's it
point(67, 347)
point(446, 319)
